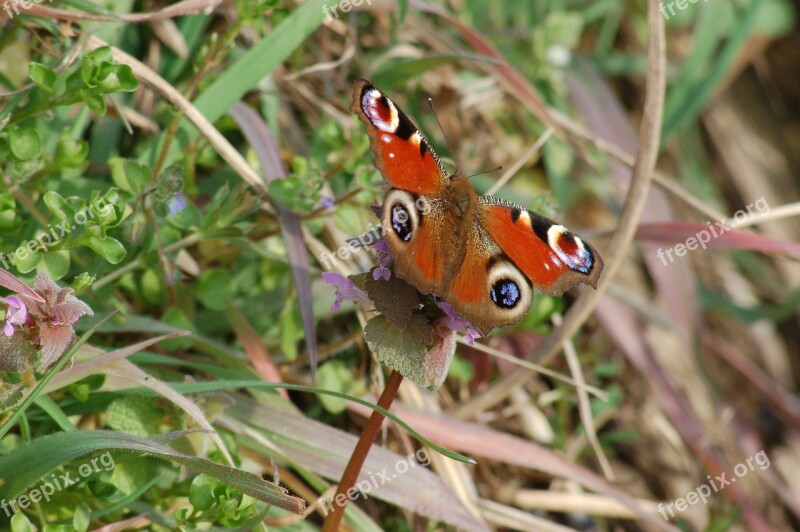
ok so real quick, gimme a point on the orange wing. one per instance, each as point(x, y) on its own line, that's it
point(402, 154)
point(552, 257)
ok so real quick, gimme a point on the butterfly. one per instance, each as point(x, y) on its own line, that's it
point(480, 254)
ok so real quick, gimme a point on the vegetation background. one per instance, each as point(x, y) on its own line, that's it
point(219, 132)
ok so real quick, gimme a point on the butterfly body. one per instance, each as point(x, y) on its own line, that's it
point(481, 254)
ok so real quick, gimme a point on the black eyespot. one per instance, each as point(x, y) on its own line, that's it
point(505, 293)
point(401, 222)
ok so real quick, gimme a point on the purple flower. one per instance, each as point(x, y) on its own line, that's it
point(383, 252)
point(16, 314)
point(326, 202)
point(345, 289)
point(382, 271)
point(456, 323)
point(471, 335)
point(385, 258)
point(176, 204)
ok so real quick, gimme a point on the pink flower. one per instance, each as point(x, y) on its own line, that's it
point(456, 323)
point(345, 289)
point(54, 311)
point(16, 314)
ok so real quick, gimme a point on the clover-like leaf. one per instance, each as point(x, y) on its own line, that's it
point(25, 144)
point(42, 75)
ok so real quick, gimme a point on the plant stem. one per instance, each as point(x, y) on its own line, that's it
point(359, 455)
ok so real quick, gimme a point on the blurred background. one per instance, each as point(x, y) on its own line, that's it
point(220, 131)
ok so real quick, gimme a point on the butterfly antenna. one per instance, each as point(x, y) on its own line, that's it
point(485, 172)
point(446, 140)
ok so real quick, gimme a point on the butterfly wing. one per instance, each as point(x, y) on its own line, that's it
point(551, 256)
point(489, 290)
point(413, 217)
point(402, 154)
point(508, 251)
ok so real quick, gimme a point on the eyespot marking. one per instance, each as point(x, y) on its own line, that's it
point(380, 111)
point(570, 249)
point(505, 293)
point(401, 222)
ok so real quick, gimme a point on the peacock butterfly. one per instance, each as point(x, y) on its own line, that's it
point(481, 254)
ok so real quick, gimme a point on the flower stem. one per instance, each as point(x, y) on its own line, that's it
point(359, 455)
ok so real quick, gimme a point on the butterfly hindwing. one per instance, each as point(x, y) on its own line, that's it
point(489, 290)
point(414, 231)
point(402, 154)
point(551, 256)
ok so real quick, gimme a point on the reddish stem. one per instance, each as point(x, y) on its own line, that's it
point(359, 455)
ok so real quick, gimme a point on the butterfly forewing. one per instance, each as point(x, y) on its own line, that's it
point(552, 257)
point(402, 154)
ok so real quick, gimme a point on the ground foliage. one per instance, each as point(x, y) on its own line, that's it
point(194, 165)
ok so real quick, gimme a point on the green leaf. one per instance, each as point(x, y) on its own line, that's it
point(108, 210)
point(116, 78)
point(81, 518)
point(395, 298)
point(286, 190)
point(404, 350)
point(109, 248)
point(43, 76)
point(696, 85)
point(402, 9)
point(10, 219)
point(152, 289)
point(291, 329)
point(132, 415)
point(71, 156)
point(95, 102)
point(55, 412)
point(54, 263)
point(775, 18)
point(57, 205)
point(215, 289)
point(20, 523)
point(91, 61)
point(26, 464)
point(130, 176)
point(127, 81)
point(334, 375)
point(25, 144)
point(175, 317)
point(395, 71)
point(201, 493)
point(24, 260)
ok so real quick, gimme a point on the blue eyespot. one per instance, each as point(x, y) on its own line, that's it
point(505, 293)
point(401, 222)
